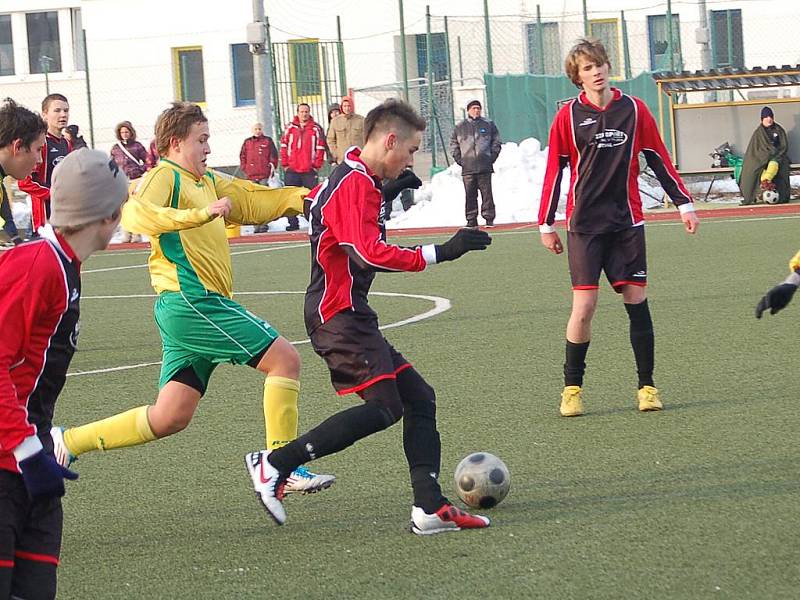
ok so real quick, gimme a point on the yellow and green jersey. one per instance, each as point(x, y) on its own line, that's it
point(189, 249)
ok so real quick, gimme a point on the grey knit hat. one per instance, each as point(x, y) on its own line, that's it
point(87, 186)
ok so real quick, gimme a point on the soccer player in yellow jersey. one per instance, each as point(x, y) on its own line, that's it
point(182, 206)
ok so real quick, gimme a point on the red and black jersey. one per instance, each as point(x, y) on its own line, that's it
point(601, 147)
point(40, 292)
point(348, 243)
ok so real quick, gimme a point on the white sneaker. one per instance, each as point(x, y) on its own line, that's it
point(268, 484)
point(447, 518)
point(63, 456)
point(303, 481)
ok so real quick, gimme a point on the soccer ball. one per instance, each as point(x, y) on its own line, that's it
point(770, 196)
point(482, 480)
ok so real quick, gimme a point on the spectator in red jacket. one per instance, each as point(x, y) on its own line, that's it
point(55, 110)
point(302, 153)
point(258, 158)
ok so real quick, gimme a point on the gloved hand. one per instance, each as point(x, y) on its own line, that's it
point(43, 476)
point(462, 242)
point(776, 299)
point(407, 179)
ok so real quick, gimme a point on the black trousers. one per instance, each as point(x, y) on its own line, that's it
point(473, 183)
point(308, 180)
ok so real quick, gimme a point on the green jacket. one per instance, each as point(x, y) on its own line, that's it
point(759, 152)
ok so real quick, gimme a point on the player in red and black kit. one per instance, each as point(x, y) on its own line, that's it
point(55, 110)
point(40, 292)
point(348, 246)
point(599, 135)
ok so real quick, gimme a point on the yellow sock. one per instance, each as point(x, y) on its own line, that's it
point(280, 410)
point(130, 428)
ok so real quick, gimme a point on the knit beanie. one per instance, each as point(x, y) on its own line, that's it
point(474, 103)
point(767, 112)
point(87, 186)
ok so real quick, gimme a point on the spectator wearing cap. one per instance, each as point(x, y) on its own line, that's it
point(475, 145)
point(334, 110)
point(766, 161)
point(39, 324)
point(346, 130)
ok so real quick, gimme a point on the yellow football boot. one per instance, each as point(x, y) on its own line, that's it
point(571, 405)
point(649, 399)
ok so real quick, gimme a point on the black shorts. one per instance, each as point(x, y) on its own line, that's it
point(28, 530)
point(620, 254)
point(356, 352)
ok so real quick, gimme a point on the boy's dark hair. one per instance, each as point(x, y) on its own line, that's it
point(19, 123)
point(393, 114)
point(50, 97)
point(175, 122)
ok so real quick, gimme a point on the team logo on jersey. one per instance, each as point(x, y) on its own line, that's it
point(587, 121)
point(57, 160)
point(74, 295)
point(610, 138)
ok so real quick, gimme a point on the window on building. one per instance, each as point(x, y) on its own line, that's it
point(607, 31)
point(78, 54)
point(306, 71)
point(659, 42)
point(244, 89)
point(549, 62)
point(6, 46)
point(438, 56)
point(189, 81)
point(44, 44)
point(727, 46)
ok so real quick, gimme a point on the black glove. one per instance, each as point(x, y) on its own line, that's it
point(43, 476)
point(462, 242)
point(776, 299)
point(408, 179)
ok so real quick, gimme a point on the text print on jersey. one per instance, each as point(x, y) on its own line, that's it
point(610, 138)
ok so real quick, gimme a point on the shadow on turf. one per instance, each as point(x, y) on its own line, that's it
point(669, 407)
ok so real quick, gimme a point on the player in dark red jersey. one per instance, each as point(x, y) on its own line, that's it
point(55, 110)
point(348, 245)
point(40, 291)
point(599, 135)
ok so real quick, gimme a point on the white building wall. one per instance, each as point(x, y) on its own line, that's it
point(130, 48)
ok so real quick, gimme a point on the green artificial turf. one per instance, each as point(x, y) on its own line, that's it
point(697, 501)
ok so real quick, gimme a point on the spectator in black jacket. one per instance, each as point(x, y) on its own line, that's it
point(475, 145)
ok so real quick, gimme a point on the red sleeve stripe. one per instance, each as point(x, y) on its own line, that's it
point(6, 564)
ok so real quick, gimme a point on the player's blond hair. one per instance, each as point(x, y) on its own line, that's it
point(176, 122)
point(592, 50)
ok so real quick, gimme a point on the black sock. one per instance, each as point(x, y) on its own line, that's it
point(575, 364)
point(335, 433)
point(642, 341)
point(421, 441)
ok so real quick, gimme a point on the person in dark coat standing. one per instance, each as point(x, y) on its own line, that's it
point(766, 161)
point(475, 145)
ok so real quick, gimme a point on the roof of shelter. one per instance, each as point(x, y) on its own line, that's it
point(728, 78)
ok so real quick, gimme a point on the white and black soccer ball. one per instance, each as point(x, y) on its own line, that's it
point(482, 480)
point(769, 196)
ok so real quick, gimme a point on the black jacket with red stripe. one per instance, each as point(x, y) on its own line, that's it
point(348, 243)
point(40, 292)
point(601, 146)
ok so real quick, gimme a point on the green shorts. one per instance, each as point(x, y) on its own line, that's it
point(204, 331)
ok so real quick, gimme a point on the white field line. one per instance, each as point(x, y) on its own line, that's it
point(144, 266)
point(440, 305)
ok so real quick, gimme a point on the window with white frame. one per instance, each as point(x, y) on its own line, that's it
point(44, 44)
point(549, 62)
point(660, 43)
point(607, 31)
